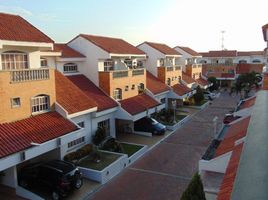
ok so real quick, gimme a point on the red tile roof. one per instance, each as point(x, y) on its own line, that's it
point(250, 53)
point(202, 82)
point(163, 48)
point(70, 97)
point(17, 136)
point(230, 174)
point(189, 51)
point(154, 84)
point(229, 53)
point(187, 79)
point(138, 104)
point(102, 100)
point(235, 132)
point(247, 68)
point(67, 52)
point(15, 28)
point(181, 89)
point(247, 103)
point(112, 45)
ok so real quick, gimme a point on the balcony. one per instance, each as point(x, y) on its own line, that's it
point(177, 67)
point(169, 69)
point(17, 76)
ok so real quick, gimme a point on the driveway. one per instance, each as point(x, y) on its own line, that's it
point(166, 170)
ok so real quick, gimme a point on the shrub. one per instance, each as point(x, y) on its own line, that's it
point(78, 154)
point(195, 190)
point(215, 85)
point(99, 136)
point(198, 96)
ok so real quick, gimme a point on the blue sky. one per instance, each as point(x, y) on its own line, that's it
point(191, 23)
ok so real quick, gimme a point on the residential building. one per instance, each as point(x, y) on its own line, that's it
point(35, 120)
point(164, 63)
point(193, 70)
point(226, 65)
point(117, 68)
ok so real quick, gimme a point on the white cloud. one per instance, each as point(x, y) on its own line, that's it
point(16, 10)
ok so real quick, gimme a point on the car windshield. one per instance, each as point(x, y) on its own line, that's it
point(153, 121)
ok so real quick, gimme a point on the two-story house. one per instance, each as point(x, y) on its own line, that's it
point(164, 63)
point(191, 67)
point(31, 126)
point(117, 69)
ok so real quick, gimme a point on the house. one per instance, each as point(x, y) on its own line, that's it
point(164, 63)
point(226, 65)
point(35, 116)
point(117, 69)
point(191, 67)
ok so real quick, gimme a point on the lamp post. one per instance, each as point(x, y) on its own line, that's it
point(215, 119)
point(174, 108)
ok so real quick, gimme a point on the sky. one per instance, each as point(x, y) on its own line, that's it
point(194, 23)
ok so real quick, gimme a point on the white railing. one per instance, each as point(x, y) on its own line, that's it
point(29, 75)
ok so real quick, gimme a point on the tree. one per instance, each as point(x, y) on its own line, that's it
point(244, 82)
point(215, 85)
point(198, 96)
point(195, 190)
point(99, 136)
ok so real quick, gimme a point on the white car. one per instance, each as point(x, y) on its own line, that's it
point(209, 95)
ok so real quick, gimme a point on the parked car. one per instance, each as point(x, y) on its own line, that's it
point(209, 95)
point(230, 118)
point(148, 124)
point(59, 177)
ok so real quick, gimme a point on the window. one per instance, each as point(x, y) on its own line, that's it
point(14, 60)
point(105, 125)
point(141, 88)
point(117, 94)
point(256, 61)
point(168, 81)
point(242, 61)
point(76, 142)
point(15, 102)
point(162, 62)
point(139, 64)
point(70, 67)
point(43, 62)
point(108, 65)
point(81, 124)
point(126, 88)
point(163, 100)
point(133, 87)
point(128, 62)
point(40, 104)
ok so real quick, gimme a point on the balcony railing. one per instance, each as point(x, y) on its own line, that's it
point(137, 72)
point(29, 75)
point(177, 68)
point(120, 74)
point(169, 69)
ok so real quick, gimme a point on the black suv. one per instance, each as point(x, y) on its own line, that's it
point(150, 125)
point(57, 176)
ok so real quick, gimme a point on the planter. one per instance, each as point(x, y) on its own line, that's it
point(137, 154)
point(104, 175)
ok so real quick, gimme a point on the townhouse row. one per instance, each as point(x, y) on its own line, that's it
point(55, 96)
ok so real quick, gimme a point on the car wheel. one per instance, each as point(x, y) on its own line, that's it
point(55, 195)
point(78, 183)
point(23, 183)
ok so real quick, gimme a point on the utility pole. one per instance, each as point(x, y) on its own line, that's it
point(222, 40)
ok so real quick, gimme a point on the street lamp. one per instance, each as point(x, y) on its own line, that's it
point(215, 119)
point(173, 102)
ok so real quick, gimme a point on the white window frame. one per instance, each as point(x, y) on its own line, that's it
point(106, 125)
point(76, 142)
point(42, 61)
point(108, 65)
point(81, 124)
point(117, 94)
point(70, 68)
point(10, 62)
point(15, 104)
point(40, 104)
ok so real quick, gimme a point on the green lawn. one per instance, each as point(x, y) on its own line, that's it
point(130, 149)
point(105, 160)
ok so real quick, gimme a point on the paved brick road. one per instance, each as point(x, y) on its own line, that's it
point(165, 171)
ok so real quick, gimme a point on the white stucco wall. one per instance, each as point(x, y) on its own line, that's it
point(152, 56)
point(93, 54)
